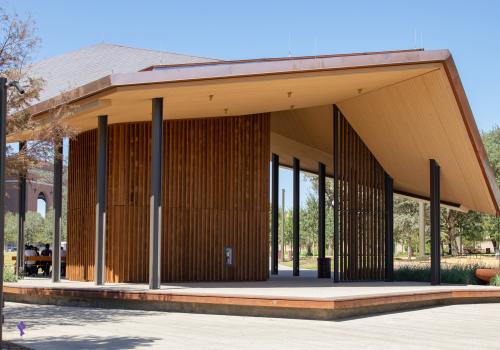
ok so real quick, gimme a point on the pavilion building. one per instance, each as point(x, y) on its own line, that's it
point(170, 175)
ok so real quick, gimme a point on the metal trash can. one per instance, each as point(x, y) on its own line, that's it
point(324, 268)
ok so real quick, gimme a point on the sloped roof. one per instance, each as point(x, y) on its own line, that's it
point(80, 67)
point(407, 106)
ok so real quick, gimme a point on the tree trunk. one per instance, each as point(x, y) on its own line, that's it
point(309, 249)
point(453, 243)
point(451, 223)
point(330, 249)
point(410, 250)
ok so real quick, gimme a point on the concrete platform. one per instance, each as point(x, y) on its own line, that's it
point(281, 296)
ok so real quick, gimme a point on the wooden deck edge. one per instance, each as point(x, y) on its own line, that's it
point(247, 306)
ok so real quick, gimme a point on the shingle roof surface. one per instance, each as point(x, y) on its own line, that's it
point(76, 68)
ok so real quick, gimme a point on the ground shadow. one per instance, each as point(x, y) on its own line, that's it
point(88, 342)
point(41, 316)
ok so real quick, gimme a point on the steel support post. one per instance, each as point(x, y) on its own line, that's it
point(155, 224)
point(100, 207)
point(274, 213)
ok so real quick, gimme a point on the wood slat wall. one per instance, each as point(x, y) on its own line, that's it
point(127, 226)
point(216, 194)
point(361, 210)
point(215, 181)
point(82, 172)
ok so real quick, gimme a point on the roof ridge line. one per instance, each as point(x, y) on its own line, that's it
point(152, 50)
point(116, 45)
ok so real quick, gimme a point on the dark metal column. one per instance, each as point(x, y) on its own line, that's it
point(21, 218)
point(296, 216)
point(57, 192)
point(3, 122)
point(435, 223)
point(283, 224)
point(155, 224)
point(100, 207)
point(274, 214)
point(336, 194)
point(321, 210)
point(389, 228)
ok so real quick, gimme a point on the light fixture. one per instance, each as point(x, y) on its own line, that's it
point(15, 84)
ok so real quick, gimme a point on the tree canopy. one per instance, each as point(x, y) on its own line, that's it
point(38, 229)
point(18, 42)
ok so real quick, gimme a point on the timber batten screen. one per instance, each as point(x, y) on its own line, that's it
point(82, 172)
point(215, 195)
point(361, 206)
point(216, 186)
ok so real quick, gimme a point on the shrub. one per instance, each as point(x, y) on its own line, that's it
point(455, 274)
point(415, 273)
point(460, 274)
point(9, 275)
point(495, 281)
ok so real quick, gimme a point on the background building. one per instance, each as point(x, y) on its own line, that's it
point(39, 185)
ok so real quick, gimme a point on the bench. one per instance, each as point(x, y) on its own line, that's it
point(38, 259)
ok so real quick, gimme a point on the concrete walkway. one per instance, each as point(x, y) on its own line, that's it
point(54, 327)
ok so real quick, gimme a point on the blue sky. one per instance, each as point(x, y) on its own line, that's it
point(251, 29)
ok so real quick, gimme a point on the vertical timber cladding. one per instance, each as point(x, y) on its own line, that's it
point(361, 209)
point(127, 226)
point(82, 172)
point(216, 188)
point(216, 195)
point(127, 211)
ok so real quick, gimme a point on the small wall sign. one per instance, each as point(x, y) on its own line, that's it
point(228, 256)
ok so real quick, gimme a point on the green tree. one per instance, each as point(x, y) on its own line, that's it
point(471, 227)
point(491, 226)
point(34, 228)
point(312, 210)
point(37, 228)
point(450, 229)
point(10, 228)
point(288, 228)
point(406, 226)
point(491, 140)
point(48, 227)
point(309, 223)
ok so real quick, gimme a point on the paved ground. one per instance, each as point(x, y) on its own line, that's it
point(53, 327)
point(283, 285)
point(11, 346)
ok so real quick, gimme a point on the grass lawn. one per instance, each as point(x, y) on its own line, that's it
point(7, 258)
point(9, 264)
point(310, 262)
point(479, 259)
point(306, 262)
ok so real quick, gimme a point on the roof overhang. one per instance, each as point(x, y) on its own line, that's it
point(396, 101)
